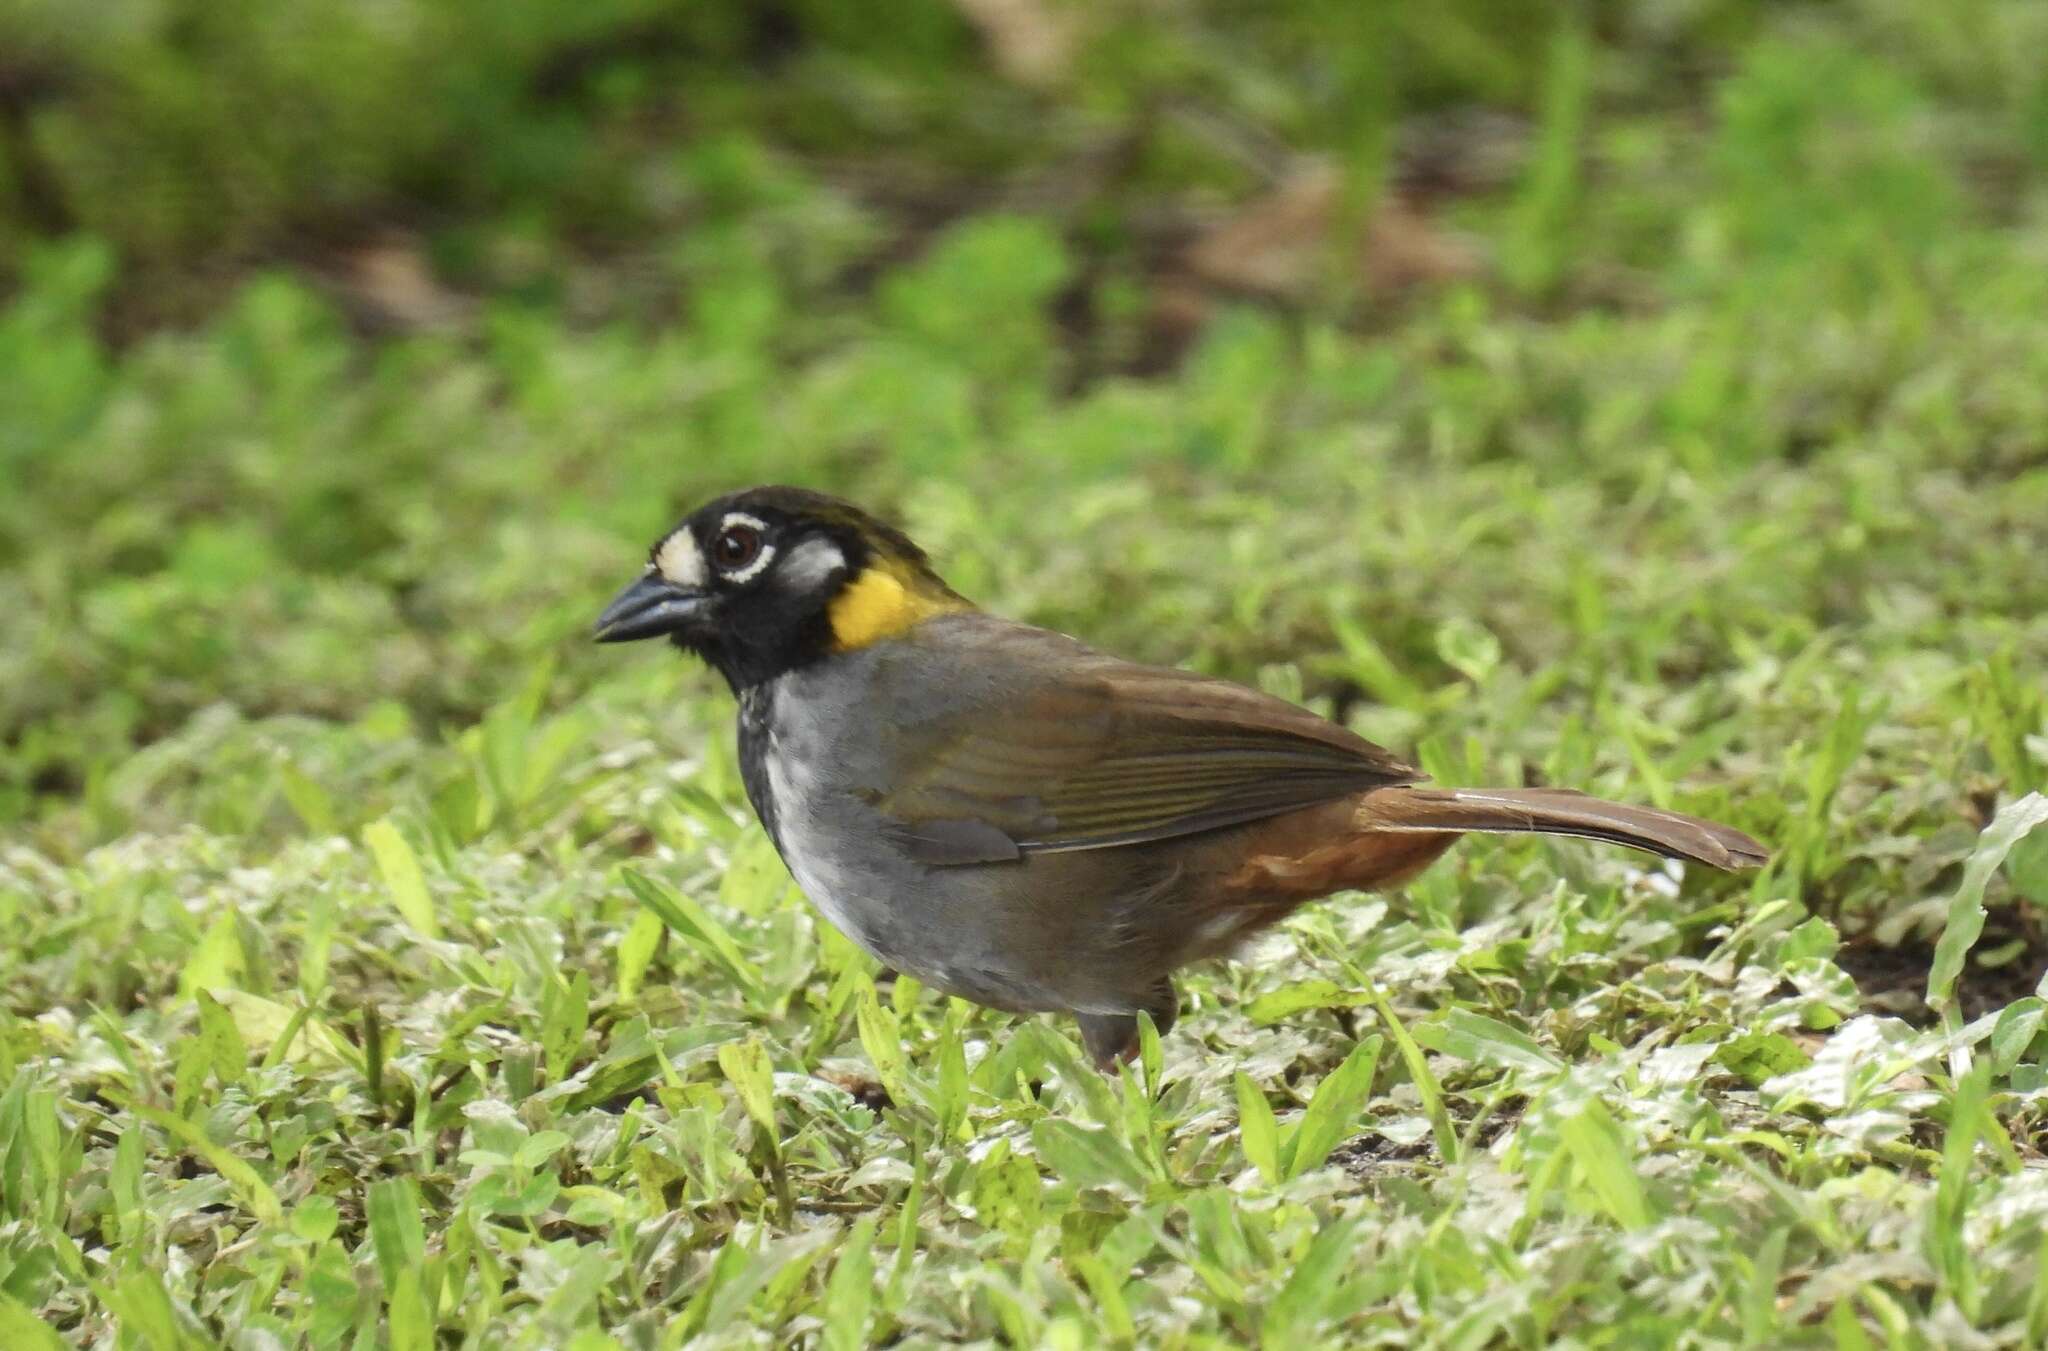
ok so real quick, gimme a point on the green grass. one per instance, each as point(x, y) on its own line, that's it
point(386, 965)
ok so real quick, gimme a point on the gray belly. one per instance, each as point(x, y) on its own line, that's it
point(951, 928)
point(1088, 931)
point(818, 754)
point(1080, 932)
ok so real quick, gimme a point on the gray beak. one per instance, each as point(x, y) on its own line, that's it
point(648, 608)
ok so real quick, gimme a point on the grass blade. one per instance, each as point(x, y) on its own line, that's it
point(1966, 909)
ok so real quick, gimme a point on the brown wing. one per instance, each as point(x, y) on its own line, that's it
point(1108, 753)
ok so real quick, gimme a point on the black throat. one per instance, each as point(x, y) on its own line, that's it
point(768, 646)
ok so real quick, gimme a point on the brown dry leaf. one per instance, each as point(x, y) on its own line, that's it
point(390, 283)
point(1031, 41)
point(865, 1089)
point(1403, 248)
point(1279, 246)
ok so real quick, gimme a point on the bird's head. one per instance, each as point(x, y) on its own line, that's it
point(770, 579)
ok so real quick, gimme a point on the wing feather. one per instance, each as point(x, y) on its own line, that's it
point(1106, 753)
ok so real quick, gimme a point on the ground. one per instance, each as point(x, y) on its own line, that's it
point(1658, 408)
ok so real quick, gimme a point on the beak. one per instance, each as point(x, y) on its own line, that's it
point(648, 608)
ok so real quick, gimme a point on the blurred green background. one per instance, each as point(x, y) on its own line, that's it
point(1646, 397)
point(351, 352)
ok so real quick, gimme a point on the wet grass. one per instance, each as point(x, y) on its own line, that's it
point(386, 965)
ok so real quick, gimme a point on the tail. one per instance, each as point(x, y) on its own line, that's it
point(1557, 811)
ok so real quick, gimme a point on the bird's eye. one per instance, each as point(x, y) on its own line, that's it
point(736, 546)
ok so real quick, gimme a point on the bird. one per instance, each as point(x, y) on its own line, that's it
point(1018, 819)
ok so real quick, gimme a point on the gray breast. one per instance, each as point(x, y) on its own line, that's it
point(811, 748)
point(819, 750)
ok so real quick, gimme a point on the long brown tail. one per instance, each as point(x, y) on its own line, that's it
point(1558, 811)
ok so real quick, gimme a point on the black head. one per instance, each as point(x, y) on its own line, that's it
point(767, 580)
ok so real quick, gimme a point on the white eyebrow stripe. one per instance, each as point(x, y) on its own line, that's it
point(679, 560)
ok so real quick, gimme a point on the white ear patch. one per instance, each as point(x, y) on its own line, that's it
point(680, 561)
point(811, 563)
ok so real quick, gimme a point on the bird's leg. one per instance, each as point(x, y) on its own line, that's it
point(1112, 1038)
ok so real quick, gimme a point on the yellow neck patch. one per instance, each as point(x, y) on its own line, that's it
point(877, 605)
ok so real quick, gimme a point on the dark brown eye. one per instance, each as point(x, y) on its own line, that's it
point(736, 546)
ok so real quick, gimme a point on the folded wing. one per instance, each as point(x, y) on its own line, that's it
point(1110, 753)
